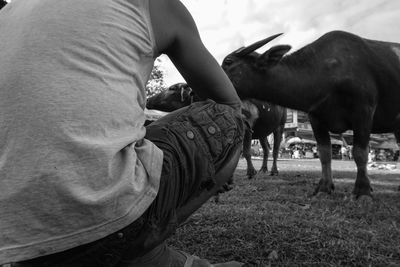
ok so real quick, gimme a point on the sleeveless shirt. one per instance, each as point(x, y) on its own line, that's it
point(74, 164)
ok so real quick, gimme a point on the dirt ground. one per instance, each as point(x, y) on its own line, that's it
point(274, 220)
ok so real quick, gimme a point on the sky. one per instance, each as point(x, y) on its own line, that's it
point(226, 25)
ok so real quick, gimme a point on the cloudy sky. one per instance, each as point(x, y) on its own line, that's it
point(226, 25)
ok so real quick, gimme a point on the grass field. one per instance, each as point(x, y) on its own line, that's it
point(273, 221)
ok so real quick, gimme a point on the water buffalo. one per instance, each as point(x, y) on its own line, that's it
point(263, 117)
point(175, 97)
point(343, 81)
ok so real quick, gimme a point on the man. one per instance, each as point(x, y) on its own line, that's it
point(343, 152)
point(82, 182)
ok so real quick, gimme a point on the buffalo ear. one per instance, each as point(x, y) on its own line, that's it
point(273, 55)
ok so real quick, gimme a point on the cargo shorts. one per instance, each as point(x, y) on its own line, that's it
point(195, 140)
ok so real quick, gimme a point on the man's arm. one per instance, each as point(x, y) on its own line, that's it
point(177, 36)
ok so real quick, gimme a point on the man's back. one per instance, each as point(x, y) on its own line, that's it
point(72, 77)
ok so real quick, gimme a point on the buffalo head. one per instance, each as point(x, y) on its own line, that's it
point(176, 96)
point(248, 69)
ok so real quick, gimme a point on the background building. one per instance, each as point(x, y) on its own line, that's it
point(298, 125)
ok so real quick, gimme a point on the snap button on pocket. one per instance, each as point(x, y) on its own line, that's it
point(211, 130)
point(190, 134)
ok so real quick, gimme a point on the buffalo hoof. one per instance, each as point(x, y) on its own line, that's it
point(274, 172)
point(324, 187)
point(227, 187)
point(362, 191)
point(251, 173)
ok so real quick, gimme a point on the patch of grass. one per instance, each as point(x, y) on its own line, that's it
point(273, 221)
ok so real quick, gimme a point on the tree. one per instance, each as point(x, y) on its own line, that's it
point(156, 82)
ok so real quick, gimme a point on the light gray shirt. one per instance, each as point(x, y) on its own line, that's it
point(74, 164)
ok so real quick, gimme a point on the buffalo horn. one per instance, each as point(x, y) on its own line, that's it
point(247, 50)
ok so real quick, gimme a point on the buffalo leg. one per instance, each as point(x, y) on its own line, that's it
point(360, 153)
point(397, 132)
point(275, 152)
point(265, 146)
point(325, 156)
point(397, 135)
point(362, 185)
point(251, 171)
